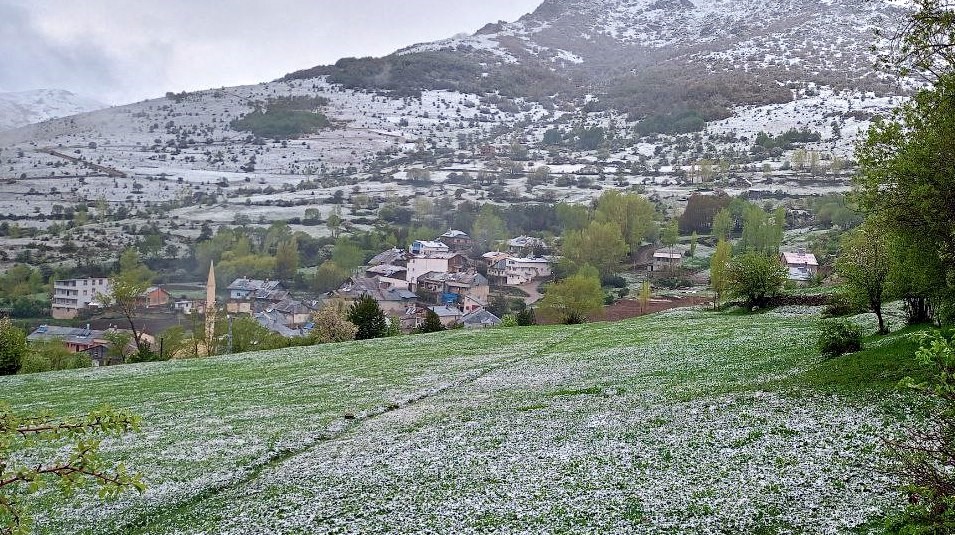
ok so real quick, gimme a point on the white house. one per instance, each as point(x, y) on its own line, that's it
point(437, 262)
point(72, 295)
point(802, 266)
point(511, 271)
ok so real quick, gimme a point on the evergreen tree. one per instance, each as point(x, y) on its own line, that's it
point(432, 323)
point(368, 317)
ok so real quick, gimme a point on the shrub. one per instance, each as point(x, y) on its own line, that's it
point(838, 338)
point(925, 459)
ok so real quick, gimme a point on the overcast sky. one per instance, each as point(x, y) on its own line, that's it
point(120, 51)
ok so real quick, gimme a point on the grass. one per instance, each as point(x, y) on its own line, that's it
point(690, 421)
point(882, 363)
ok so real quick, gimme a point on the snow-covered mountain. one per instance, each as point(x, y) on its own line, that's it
point(648, 57)
point(26, 107)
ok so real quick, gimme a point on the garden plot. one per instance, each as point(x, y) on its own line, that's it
point(648, 426)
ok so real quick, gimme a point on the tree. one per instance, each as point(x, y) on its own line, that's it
point(126, 289)
point(722, 224)
point(756, 277)
point(864, 265)
point(576, 299)
point(671, 234)
point(83, 464)
point(907, 163)
point(599, 245)
point(694, 239)
point(916, 276)
point(632, 214)
point(286, 259)
point(432, 323)
point(761, 232)
point(13, 346)
point(488, 229)
point(719, 270)
point(368, 317)
point(331, 326)
point(645, 296)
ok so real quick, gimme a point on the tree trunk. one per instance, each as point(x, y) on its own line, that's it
point(877, 308)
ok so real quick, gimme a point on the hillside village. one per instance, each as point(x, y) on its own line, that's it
point(618, 266)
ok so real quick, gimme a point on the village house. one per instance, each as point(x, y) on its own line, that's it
point(93, 342)
point(512, 271)
point(190, 306)
point(292, 313)
point(393, 301)
point(433, 262)
point(154, 296)
point(802, 266)
point(480, 319)
point(666, 260)
point(422, 247)
point(389, 276)
point(456, 240)
point(244, 293)
point(70, 296)
point(452, 288)
point(448, 315)
point(392, 257)
point(527, 246)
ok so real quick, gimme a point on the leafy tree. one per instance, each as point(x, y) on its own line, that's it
point(286, 259)
point(368, 317)
point(599, 245)
point(916, 276)
point(722, 224)
point(864, 265)
point(488, 229)
point(82, 465)
point(761, 232)
point(632, 214)
point(756, 277)
point(432, 323)
point(671, 234)
point(576, 299)
point(572, 216)
point(719, 270)
point(50, 355)
point(13, 346)
point(328, 277)
point(331, 325)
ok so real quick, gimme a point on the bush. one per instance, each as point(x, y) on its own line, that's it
point(838, 338)
point(925, 458)
point(842, 304)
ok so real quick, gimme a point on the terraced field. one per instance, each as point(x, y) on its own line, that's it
point(688, 420)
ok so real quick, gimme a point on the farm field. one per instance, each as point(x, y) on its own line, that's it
point(688, 420)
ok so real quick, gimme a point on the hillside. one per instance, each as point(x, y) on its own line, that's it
point(693, 420)
point(26, 107)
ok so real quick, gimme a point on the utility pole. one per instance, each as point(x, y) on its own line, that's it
point(229, 317)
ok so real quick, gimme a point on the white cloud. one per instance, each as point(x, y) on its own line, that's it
point(120, 51)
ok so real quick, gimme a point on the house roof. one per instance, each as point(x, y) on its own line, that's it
point(255, 285)
point(481, 317)
point(431, 244)
point(273, 322)
point(526, 241)
point(469, 279)
point(386, 270)
point(800, 258)
point(445, 312)
point(390, 256)
point(76, 335)
point(667, 255)
point(454, 234)
point(291, 306)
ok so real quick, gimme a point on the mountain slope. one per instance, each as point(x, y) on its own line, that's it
point(646, 57)
point(675, 422)
point(27, 107)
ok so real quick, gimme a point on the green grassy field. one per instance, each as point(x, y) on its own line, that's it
point(688, 421)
